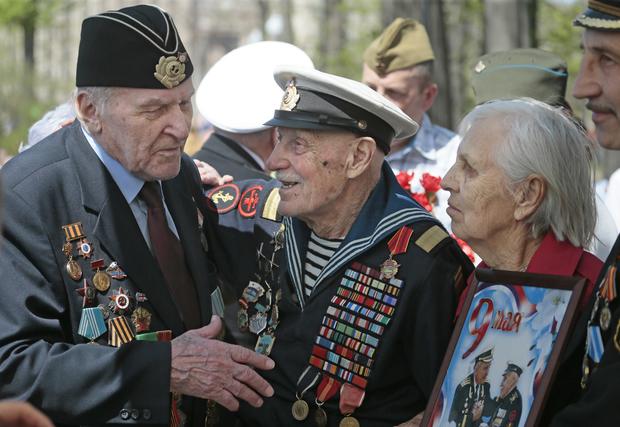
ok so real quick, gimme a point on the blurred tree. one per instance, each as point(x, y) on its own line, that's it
point(15, 118)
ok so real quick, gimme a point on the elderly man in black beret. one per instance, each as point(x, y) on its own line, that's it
point(102, 264)
point(355, 285)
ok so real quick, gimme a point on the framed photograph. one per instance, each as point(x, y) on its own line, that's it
point(504, 351)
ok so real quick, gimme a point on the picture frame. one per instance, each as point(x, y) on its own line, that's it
point(505, 350)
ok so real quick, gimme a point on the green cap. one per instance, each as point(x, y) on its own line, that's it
point(517, 73)
point(403, 44)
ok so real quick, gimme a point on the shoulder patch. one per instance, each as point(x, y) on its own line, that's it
point(431, 238)
point(270, 210)
point(224, 198)
point(249, 201)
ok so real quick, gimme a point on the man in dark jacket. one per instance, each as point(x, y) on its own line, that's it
point(102, 264)
point(353, 286)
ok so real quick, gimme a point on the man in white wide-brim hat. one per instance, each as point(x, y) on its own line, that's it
point(354, 296)
point(237, 96)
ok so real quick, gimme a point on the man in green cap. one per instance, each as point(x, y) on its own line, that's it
point(399, 65)
point(598, 82)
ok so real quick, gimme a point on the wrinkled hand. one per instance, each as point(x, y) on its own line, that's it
point(476, 411)
point(209, 176)
point(22, 414)
point(414, 422)
point(215, 370)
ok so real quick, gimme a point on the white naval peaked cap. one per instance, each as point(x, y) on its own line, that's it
point(238, 94)
point(326, 101)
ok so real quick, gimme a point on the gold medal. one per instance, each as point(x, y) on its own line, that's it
point(102, 281)
point(320, 417)
point(605, 317)
point(389, 268)
point(73, 269)
point(300, 410)
point(349, 421)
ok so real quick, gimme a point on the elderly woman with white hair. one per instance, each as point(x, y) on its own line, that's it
point(521, 195)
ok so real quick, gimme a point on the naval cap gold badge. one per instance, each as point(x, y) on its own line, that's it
point(170, 70)
point(290, 98)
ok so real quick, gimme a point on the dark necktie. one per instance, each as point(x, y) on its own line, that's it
point(170, 257)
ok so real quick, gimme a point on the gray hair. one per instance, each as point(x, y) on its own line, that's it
point(99, 95)
point(542, 140)
point(49, 123)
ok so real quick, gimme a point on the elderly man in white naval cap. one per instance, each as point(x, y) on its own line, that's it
point(237, 96)
point(353, 295)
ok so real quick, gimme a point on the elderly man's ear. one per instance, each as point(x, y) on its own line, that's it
point(87, 112)
point(528, 197)
point(360, 156)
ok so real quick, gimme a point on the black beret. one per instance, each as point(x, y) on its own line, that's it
point(137, 46)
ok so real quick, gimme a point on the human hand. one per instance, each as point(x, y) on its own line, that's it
point(22, 414)
point(414, 422)
point(209, 176)
point(215, 370)
point(476, 411)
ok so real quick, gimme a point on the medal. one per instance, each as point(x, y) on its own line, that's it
point(115, 271)
point(101, 279)
point(92, 323)
point(85, 249)
point(389, 268)
point(305, 382)
point(397, 245)
point(264, 344)
point(300, 410)
point(87, 293)
point(253, 292)
point(120, 332)
point(73, 269)
point(320, 417)
point(72, 232)
point(605, 317)
point(141, 319)
point(258, 323)
point(351, 398)
point(349, 421)
point(242, 320)
point(121, 301)
point(328, 387)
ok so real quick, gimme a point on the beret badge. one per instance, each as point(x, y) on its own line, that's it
point(290, 98)
point(170, 70)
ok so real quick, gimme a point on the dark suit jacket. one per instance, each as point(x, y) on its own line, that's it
point(42, 357)
point(227, 157)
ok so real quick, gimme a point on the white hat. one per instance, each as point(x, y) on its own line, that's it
point(317, 100)
point(238, 94)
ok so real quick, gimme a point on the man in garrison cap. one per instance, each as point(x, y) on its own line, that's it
point(472, 397)
point(108, 288)
point(355, 289)
point(399, 65)
point(508, 405)
point(598, 82)
point(237, 96)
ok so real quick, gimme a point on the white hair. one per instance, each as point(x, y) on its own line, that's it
point(541, 140)
point(49, 123)
point(99, 95)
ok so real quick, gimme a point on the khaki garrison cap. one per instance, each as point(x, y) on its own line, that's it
point(403, 44)
point(518, 73)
